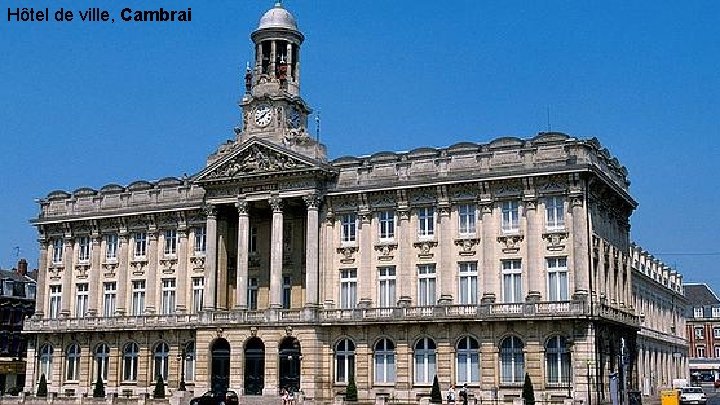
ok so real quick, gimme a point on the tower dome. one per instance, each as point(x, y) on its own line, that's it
point(277, 17)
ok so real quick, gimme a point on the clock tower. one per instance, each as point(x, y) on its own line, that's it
point(272, 107)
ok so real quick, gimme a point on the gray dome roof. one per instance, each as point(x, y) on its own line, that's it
point(278, 17)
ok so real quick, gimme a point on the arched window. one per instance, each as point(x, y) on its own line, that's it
point(46, 354)
point(557, 357)
point(425, 361)
point(102, 357)
point(384, 361)
point(344, 360)
point(512, 361)
point(130, 361)
point(190, 361)
point(162, 351)
point(468, 360)
point(73, 362)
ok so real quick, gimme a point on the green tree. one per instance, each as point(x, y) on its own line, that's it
point(99, 390)
point(528, 392)
point(42, 387)
point(159, 392)
point(351, 391)
point(435, 394)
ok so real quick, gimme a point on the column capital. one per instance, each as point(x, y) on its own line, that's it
point(312, 201)
point(210, 210)
point(241, 206)
point(276, 204)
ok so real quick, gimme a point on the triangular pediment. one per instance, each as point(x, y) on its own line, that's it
point(257, 157)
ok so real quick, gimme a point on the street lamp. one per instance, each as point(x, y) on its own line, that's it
point(181, 387)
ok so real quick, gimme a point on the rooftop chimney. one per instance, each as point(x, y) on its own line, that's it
point(22, 267)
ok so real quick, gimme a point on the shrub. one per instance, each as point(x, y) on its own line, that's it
point(99, 389)
point(42, 387)
point(528, 393)
point(351, 391)
point(159, 392)
point(435, 395)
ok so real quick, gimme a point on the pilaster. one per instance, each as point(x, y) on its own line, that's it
point(276, 253)
point(242, 255)
point(210, 258)
point(312, 253)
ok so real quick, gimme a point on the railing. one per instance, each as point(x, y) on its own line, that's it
point(485, 311)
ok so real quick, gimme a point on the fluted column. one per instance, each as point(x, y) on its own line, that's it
point(312, 268)
point(182, 277)
point(210, 258)
point(490, 268)
point(242, 255)
point(152, 271)
point(534, 265)
point(276, 253)
point(124, 271)
point(68, 256)
point(580, 243)
point(41, 279)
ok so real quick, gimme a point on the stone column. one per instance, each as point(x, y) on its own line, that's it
point(68, 256)
point(444, 234)
point(124, 272)
point(312, 268)
point(534, 265)
point(243, 240)
point(41, 280)
point(210, 258)
point(490, 268)
point(580, 243)
point(405, 269)
point(276, 253)
point(365, 290)
point(151, 272)
point(273, 52)
point(182, 276)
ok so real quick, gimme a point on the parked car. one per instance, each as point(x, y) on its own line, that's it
point(692, 396)
point(216, 398)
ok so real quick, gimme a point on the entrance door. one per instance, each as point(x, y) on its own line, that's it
point(220, 367)
point(254, 367)
point(290, 364)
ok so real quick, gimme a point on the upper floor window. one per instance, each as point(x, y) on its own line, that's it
point(386, 287)
point(252, 242)
point(55, 297)
point(138, 297)
point(466, 216)
point(555, 213)
point(140, 244)
point(58, 247)
point(348, 288)
point(200, 244)
point(109, 298)
point(198, 292)
point(699, 333)
point(348, 227)
point(557, 278)
point(716, 332)
point(700, 351)
point(512, 281)
point(426, 284)
point(252, 300)
point(81, 299)
point(83, 248)
point(716, 312)
point(698, 312)
point(467, 285)
point(170, 242)
point(168, 295)
point(111, 246)
point(386, 223)
point(510, 216)
point(426, 222)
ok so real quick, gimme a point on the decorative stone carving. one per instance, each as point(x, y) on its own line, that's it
point(423, 196)
point(253, 160)
point(348, 253)
point(109, 269)
point(424, 248)
point(241, 206)
point(138, 266)
point(510, 243)
point(198, 263)
point(276, 204)
point(54, 272)
point(467, 245)
point(386, 251)
point(82, 270)
point(168, 265)
point(555, 241)
point(312, 201)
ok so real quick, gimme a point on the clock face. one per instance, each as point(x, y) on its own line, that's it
point(263, 115)
point(293, 118)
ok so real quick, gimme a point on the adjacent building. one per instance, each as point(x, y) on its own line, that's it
point(703, 331)
point(275, 267)
point(17, 303)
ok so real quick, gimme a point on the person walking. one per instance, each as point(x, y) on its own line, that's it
point(451, 395)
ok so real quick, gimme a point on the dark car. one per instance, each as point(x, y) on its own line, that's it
point(216, 398)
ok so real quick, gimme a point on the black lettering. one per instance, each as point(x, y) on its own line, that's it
point(126, 14)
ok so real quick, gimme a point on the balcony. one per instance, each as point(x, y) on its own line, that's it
point(541, 310)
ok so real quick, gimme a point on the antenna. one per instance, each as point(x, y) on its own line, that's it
point(317, 126)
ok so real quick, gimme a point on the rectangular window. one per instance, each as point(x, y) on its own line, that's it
point(466, 216)
point(55, 297)
point(700, 351)
point(170, 242)
point(140, 245)
point(510, 216)
point(716, 333)
point(468, 281)
point(81, 300)
point(698, 312)
point(84, 249)
point(200, 243)
point(349, 228)
point(426, 222)
point(557, 279)
point(109, 296)
point(386, 223)
point(58, 247)
point(198, 291)
point(348, 288)
point(252, 299)
point(715, 312)
point(386, 287)
point(426, 284)
point(138, 297)
point(111, 246)
point(287, 291)
point(512, 281)
point(554, 213)
point(168, 295)
point(717, 351)
point(699, 333)
point(252, 243)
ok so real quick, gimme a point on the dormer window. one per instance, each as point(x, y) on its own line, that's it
point(698, 312)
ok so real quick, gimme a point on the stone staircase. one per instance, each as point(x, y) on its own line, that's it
point(261, 400)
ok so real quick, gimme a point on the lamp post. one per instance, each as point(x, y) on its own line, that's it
point(181, 387)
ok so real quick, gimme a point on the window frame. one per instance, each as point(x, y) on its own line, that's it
point(514, 274)
point(139, 291)
point(140, 245)
point(384, 361)
point(554, 213)
point(169, 296)
point(510, 216)
point(468, 275)
point(83, 243)
point(348, 228)
point(467, 219)
point(348, 288)
point(131, 352)
point(112, 244)
point(472, 355)
point(387, 287)
point(426, 222)
point(427, 284)
point(386, 225)
point(557, 274)
point(170, 242)
point(512, 352)
point(81, 299)
point(72, 365)
point(424, 361)
point(344, 361)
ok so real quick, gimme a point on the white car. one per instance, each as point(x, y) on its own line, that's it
point(692, 395)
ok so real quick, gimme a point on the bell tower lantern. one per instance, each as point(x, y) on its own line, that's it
point(272, 106)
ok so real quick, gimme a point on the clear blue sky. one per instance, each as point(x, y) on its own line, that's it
point(87, 104)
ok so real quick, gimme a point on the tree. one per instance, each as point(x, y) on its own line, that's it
point(351, 391)
point(435, 395)
point(99, 390)
point(159, 392)
point(528, 393)
point(42, 387)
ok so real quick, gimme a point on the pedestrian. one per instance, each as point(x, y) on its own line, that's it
point(464, 394)
point(451, 395)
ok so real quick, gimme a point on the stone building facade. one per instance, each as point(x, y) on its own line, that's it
point(660, 301)
point(275, 268)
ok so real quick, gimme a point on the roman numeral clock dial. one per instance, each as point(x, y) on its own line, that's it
point(263, 115)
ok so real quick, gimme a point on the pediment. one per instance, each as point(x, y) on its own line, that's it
point(256, 158)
